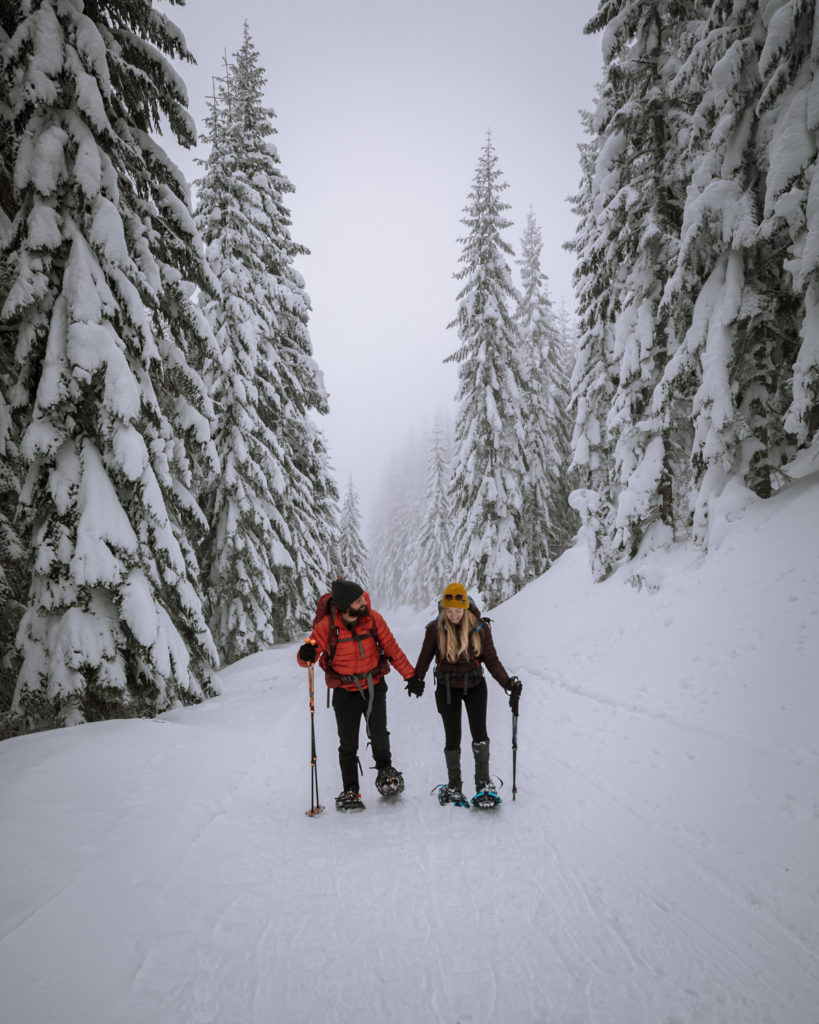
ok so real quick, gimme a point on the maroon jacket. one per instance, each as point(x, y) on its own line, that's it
point(466, 672)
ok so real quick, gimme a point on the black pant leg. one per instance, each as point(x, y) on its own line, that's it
point(379, 734)
point(475, 704)
point(349, 709)
point(450, 715)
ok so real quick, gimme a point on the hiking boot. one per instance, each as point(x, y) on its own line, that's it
point(389, 781)
point(347, 800)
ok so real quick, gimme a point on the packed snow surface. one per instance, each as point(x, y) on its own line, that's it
point(658, 866)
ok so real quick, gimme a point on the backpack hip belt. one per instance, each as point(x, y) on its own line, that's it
point(372, 678)
point(472, 673)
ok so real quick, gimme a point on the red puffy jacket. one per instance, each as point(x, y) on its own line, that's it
point(356, 652)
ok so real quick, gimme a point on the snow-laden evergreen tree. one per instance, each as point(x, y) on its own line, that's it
point(248, 537)
point(737, 395)
point(271, 511)
point(537, 334)
point(9, 18)
point(311, 495)
point(13, 576)
point(548, 520)
point(638, 191)
point(743, 327)
point(489, 464)
point(114, 417)
point(434, 567)
point(788, 67)
point(12, 553)
point(594, 374)
point(351, 551)
point(566, 356)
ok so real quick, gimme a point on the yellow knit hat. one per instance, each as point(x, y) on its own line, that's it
point(455, 596)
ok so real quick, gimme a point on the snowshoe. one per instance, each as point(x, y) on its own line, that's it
point(450, 794)
point(487, 795)
point(349, 801)
point(389, 781)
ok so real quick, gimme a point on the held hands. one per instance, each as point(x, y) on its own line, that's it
point(414, 687)
point(308, 651)
point(514, 687)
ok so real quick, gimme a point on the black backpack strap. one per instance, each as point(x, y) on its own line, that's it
point(358, 637)
point(369, 698)
point(378, 641)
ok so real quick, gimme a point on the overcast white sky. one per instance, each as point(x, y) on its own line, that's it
point(382, 109)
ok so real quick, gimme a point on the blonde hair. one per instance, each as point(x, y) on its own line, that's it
point(455, 638)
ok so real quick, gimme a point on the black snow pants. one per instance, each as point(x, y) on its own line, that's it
point(449, 708)
point(350, 708)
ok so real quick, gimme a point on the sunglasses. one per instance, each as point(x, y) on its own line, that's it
point(457, 598)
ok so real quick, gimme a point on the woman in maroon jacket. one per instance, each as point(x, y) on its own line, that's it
point(461, 643)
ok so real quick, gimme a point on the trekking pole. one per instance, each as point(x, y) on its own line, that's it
point(514, 754)
point(514, 704)
point(315, 806)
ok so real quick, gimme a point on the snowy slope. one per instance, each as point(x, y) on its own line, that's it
point(659, 865)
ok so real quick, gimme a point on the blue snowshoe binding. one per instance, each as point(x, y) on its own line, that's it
point(451, 794)
point(487, 795)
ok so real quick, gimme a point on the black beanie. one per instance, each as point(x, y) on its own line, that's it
point(344, 593)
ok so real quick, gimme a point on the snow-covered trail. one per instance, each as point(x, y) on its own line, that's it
point(658, 866)
point(202, 893)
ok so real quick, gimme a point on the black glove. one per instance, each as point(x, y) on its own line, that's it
point(513, 688)
point(414, 687)
point(308, 652)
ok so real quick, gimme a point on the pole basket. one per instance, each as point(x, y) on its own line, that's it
point(315, 807)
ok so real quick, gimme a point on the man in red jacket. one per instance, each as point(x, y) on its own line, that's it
point(355, 648)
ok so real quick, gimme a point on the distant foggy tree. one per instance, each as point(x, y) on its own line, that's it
point(394, 547)
point(351, 553)
point(434, 564)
